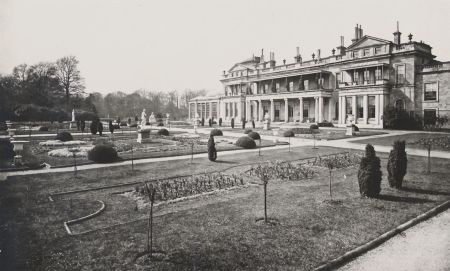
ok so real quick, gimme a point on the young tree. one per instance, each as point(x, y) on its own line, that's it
point(69, 76)
point(150, 191)
point(263, 172)
point(397, 164)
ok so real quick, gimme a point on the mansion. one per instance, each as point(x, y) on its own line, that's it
point(357, 82)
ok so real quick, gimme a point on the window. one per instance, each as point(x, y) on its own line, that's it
point(355, 53)
point(366, 75)
point(371, 109)
point(378, 74)
point(348, 106)
point(277, 87)
point(359, 107)
point(366, 52)
point(355, 76)
point(377, 50)
point(266, 88)
point(305, 109)
point(235, 110)
point(291, 86)
point(430, 91)
point(399, 104)
point(306, 84)
point(338, 78)
point(401, 74)
point(429, 117)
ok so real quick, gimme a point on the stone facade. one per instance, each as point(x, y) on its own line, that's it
point(360, 81)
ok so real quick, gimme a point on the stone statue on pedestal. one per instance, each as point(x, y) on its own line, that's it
point(266, 122)
point(143, 118)
point(196, 120)
point(73, 114)
point(350, 127)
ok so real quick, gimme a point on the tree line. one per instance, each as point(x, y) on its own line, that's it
point(48, 91)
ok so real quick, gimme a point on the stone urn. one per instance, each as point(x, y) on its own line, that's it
point(266, 125)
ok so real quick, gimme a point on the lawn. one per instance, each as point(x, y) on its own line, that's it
point(216, 232)
point(411, 140)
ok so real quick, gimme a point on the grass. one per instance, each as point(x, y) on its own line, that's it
point(213, 232)
point(409, 138)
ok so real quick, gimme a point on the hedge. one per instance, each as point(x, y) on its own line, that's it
point(64, 136)
point(246, 142)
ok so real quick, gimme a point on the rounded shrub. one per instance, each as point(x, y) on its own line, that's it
point(64, 136)
point(162, 132)
point(216, 132)
point(397, 164)
point(254, 135)
point(369, 174)
point(355, 127)
point(103, 154)
point(247, 131)
point(160, 124)
point(93, 127)
point(246, 142)
point(313, 127)
point(288, 133)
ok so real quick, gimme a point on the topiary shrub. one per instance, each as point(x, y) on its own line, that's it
point(64, 136)
point(232, 123)
point(111, 127)
point(100, 127)
point(397, 164)
point(162, 132)
point(43, 129)
point(216, 132)
point(103, 154)
point(93, 127)
point(369, 174)
point(247, 130)
point(246, 142)
point(212, 152)
point(325, 124)
point(160, 124)
point(6, 150)
point(288, 133)
point(313, 127)
point(355, 128)
point(254, 135)
point(220, 121)
point(203, 121)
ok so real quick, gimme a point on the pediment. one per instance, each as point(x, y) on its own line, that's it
point(240, 67)
point(367, 41)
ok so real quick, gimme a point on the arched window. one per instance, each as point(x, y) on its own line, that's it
point(400, 104)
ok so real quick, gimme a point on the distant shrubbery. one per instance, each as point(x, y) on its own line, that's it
point(247, 130)
point(64, 136)
point(6, 151)
point(254, 135)
point(395, 118)
point(313, 127)
point(246, 142)
point(162, 132)
point(355, 128)
point(288, 133)
point(103, 154)
point(216, 132)
point(325, 124)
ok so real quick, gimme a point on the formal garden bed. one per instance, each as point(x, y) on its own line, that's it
point(439, 141)
point(218, 230)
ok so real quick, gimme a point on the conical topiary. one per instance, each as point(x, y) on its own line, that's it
point(369, 174)
point(212, 152)
point(397, 164)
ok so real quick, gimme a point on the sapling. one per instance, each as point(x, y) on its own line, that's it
point(263, 173)
point(151, 191)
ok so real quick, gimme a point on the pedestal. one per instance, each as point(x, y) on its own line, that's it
point(350, 130)
point(18, 160)
point(73, 125)
point(266, 125)
point(143, 136)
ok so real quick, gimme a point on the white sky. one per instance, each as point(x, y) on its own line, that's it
point(166, 45)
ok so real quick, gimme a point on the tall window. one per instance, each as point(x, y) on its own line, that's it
point(277, 87)
point(355, 53)
point(371, 109)
point(338, 78)
point(401, 74)
point(355, 76)
point(291, 86)
point(366, 52)
point(266, 88)
point(235, 110)
point(348, 106)
point(430, 91)
point(359, 107)
point(378, 74)
point(306, 84)
point(377, 50)
point(366, 75)
point(305, 110)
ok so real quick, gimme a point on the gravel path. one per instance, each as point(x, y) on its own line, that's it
point(423, 247)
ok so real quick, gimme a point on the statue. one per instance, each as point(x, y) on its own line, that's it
point(167, 118)
point(73, 114)
point(143, 118)
point(266, 122)
point(152, 118)
point(196, 120)
point(350, 131)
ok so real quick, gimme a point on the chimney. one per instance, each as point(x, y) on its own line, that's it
point(272, 59)
point(318, 54)
point(397, 36)
point(341, 48)
point(262, 56)
point(360, 32)
point(298, 57)
point(356, 34)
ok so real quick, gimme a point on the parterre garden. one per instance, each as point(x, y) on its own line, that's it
point(208, 215)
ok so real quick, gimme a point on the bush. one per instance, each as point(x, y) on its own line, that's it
point(355, 128)
point(43, 129)
point(93, 127)
point(232, 123)
point(325, 124)
point(369, 174)
point(395, 118)
point(397, 164)
point(162, 132)
point(254, 135)
point(247, 131)
point(246, 142)
point(288, 133)
point(216, 132)
point(64, 136)
point(111, 127)
point(85, 115)
point(160, 124)
point(100, 127)
point(6, 150)
point(212, 152)
point(220, 121)
point(103, 154)
point(313, 127)
point(123, 123)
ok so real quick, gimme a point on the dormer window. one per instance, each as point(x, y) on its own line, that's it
point(377, 50)
point(366, 52)
point(355, 54)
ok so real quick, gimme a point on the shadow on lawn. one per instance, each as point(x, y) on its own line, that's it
point(403, 199)
point(225, 162)
point(426, 191)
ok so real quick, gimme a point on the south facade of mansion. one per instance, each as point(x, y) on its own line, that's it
point(356, 83)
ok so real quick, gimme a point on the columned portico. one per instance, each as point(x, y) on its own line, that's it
point(260, 111)
point(286, 110)
point(301, 108)
point(272, 110)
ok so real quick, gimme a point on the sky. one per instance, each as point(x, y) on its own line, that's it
point(125, 45)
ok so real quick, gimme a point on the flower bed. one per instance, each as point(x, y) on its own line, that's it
point(64, 152)
point(442, 142)
point(59, 143)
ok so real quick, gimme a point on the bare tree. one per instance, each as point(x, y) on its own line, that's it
point(69, 76)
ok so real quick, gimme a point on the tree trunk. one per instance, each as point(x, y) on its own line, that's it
point(429, 159)
point(265, 202)
point(330, 185)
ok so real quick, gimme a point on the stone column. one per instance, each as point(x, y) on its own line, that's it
point(330, 109)
point(272, 110)
point(343, 110)
point(189, 110)
point(260, 111)
point(316, 109)
point(247, 110)
point(365, 109)
point(355, 117)
point(301, 109)
point(196, 109)
point(381, 109)
point(320, 109)
point(377, 109)
point(286, 110)
point(210, 110)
